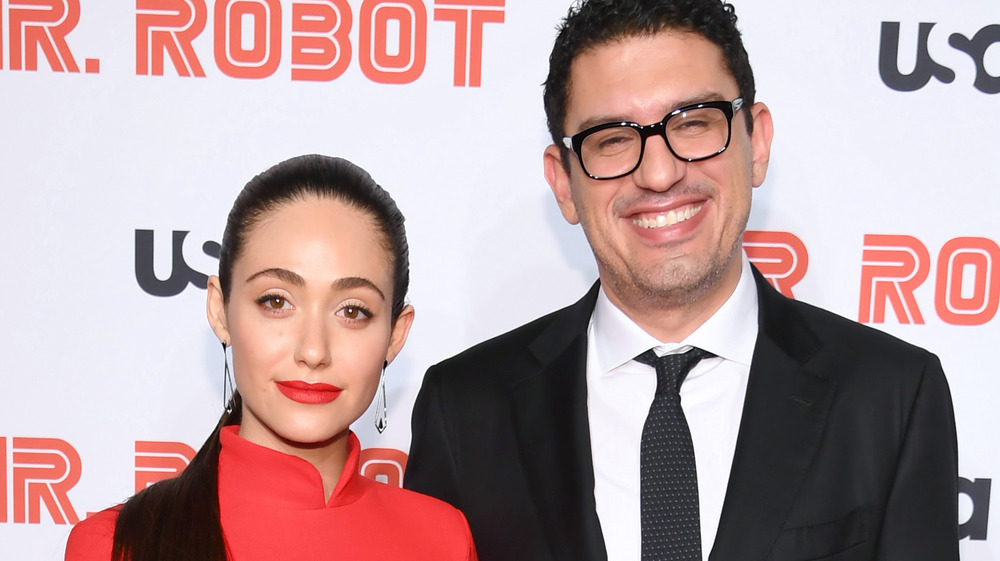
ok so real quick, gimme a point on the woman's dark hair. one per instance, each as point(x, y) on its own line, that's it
point(178, 519)
point(324, 177)
point(592, 23)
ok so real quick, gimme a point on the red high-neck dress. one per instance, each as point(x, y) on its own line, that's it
point(272, 507)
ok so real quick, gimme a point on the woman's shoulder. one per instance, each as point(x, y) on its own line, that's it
point(421, 518)
point(414, 502)
point(91, 538)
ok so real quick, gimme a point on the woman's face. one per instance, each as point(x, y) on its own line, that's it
point(309, 321)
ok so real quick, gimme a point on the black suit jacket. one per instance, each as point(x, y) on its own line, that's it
point(846, 449)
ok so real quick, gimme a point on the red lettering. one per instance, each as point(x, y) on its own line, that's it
point(377, 62)
point(156, 461)
point(42, 24)
point(892, 268)
point(469, 16)
point(168, 27)
point(960, 300)
point(384, 464)
point(3, 480)
point(780, 256)
point(247, 37)
point(232, 55)
point(44, 470)
point(321, 48)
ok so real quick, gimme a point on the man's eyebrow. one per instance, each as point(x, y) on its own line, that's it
point(280, 274)
point(347, 283)
point(701, 98)
point(603, 119)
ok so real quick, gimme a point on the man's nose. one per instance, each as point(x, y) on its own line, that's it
point(659, 169)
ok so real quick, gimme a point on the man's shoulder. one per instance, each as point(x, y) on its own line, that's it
point(522, 347)
point(856, 342)
point(505, 346)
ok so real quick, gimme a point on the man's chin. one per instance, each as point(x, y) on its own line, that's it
point(678, 284)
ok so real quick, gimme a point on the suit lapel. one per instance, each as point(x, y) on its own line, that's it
point(551, 423)
point(783, 418)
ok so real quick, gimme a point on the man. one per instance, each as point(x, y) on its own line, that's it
point(813, 437)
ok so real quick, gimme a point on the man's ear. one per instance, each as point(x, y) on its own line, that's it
point(760, 141)
point(558, 179)
point(216, 310)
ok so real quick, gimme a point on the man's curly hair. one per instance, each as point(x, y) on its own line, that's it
point(591, 23)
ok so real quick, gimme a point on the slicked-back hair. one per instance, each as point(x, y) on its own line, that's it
point(323, 177)
point(178, 519)
point(592, 23)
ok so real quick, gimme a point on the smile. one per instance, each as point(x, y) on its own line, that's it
point(669, 218)
point(308, 393)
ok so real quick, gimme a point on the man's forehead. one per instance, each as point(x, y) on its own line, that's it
point(661, 72)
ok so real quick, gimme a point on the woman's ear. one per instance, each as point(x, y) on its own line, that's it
point(399, 333)
point(216, 309)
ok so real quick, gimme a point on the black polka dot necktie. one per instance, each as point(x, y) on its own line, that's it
point(671, 530)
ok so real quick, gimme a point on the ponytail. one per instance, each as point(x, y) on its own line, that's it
point(178, 519)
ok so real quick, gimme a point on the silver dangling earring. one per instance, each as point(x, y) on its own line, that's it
point(228, 387)
point(381, 418)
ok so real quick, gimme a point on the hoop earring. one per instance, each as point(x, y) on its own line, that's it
point(228, 387)
point(381, 417)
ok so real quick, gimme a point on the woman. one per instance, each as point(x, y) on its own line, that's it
point(313, 275)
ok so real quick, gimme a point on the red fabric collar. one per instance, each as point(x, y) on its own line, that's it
point(250, 473)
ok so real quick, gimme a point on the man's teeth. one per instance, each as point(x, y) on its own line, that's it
point(669, 218)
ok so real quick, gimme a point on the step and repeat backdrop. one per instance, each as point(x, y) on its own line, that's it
point(129, 127)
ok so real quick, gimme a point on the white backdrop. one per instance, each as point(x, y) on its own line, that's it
point(98, 144)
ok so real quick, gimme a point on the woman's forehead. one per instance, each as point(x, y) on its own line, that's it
point(320, 235)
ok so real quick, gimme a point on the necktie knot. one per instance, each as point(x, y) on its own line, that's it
point(671, 369)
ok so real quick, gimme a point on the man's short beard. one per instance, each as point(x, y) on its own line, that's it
point(672, 291)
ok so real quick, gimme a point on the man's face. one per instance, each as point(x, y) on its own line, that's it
point(669, 233)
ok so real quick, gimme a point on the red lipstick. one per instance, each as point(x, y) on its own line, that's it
point(308, 393)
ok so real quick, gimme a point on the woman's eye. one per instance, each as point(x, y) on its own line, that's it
point(273, 302)
point(355, 312)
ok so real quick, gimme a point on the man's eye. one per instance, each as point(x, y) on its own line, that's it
point(613, 140)
point(692, 124)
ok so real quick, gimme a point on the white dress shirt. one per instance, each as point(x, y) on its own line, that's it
point(620, 392)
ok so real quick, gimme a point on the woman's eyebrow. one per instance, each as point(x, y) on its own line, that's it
point(280, 274)
point(345, 283)
point(357, 282)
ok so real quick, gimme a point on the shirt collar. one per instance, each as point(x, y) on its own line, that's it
point(254, 474)
point(730, 333)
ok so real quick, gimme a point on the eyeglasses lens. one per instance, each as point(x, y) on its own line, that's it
point(692, 135)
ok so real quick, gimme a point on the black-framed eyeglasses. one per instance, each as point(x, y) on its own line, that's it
point(692, 133)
